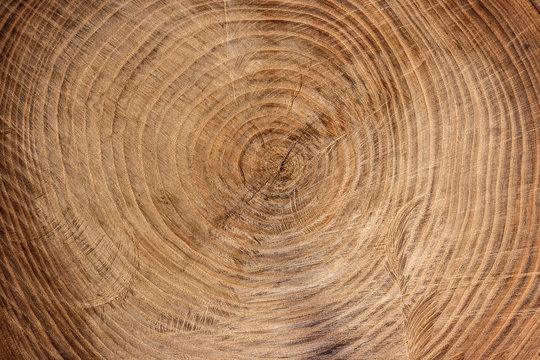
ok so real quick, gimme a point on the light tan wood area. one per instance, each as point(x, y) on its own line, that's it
point(285, 179)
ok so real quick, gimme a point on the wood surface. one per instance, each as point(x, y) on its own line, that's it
point(289, 179)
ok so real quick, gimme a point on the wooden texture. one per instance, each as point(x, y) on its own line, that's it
point(301, 179)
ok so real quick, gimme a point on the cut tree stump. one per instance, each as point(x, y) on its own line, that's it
point(285, 179)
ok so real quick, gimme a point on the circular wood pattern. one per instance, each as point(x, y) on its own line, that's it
point(290, 179)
